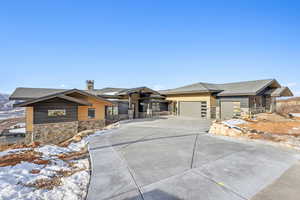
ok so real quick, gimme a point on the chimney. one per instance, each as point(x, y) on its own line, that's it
point(90, 84)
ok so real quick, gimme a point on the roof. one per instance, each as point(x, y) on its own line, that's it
point(280, 92)
point(227, 89)
point(61, 96)
point(245, 87)
point(193, 88)
point(22, 93)
point(120, 91)
point(31, 95)
point(106, 91)
point(137, 89)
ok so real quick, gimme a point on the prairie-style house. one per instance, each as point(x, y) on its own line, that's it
point(57, 114)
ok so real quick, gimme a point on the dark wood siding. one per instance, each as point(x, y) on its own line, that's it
point(164, 106)
point(40, 114)
point(123, 107)
point(244, 100)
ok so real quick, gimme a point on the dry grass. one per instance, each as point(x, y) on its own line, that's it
point(45, 183)
point(56, 180)
point(285, 109)
point(292, 99)
point(73, 155)
point(35, 171)
point(66, 173)
point(19, 146)
point(26, 156)
point(278, 128)
point(272, 117)
point(52, 182)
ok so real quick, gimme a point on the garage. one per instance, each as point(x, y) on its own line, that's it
point(197, 109)
point(229, 109)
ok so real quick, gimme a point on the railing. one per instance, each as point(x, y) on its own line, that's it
point(257, 110)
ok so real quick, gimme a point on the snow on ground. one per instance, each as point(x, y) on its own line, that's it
point(110, 93)
point(18, 130)
point(18, 125)
point(233, 122)
point(14, 178)
point(12, 113)
point(295, 114)
point(52, 150)
point(12, 151)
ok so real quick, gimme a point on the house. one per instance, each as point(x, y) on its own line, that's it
point(140, 102)
point(54, 115)
point(57, 114)
point(224, 101)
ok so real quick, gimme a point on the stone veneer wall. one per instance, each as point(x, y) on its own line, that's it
point(90, 124)
point(52, 132)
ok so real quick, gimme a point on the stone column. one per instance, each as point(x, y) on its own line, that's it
point(177, 108)
point(218, 113)
point(149, 110)
point(130, 110)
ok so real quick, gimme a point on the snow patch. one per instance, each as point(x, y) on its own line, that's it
point(18, 130)
point(51, 150)
point(233, 122)
point(295, 114)
point(14, 178)
point(110, 93)
point(12, 151)
point(18, 125)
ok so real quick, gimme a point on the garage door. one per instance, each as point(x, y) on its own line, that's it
point(227, 110)
point(196, 109)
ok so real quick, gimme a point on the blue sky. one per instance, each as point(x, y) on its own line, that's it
point(160, 44)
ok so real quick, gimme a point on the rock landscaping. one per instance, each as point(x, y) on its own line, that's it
point(267, 127)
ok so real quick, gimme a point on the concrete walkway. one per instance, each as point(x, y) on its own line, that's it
point(286, 187)
point(175, 159)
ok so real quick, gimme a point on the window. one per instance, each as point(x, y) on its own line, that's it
point(112, 110)
point(203, 109)
point(56, 113)
point(91, 113)
point(155, 107)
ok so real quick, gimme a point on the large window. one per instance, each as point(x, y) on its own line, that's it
point(91, 113)
point(56, 113)
point(155, 107)
point(112, 110)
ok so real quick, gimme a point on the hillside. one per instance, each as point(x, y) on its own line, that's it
point(5, 104)
point(292, 99)
point(6, 108)
point(290, 105)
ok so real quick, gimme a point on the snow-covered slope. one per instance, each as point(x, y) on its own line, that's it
point(5, 104)
point(6, 108)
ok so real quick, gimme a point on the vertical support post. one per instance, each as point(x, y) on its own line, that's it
point(130, 110)
point(177, 108)
point(273, 104)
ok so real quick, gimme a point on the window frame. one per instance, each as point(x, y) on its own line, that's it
point(94, 113)
point(56, 112)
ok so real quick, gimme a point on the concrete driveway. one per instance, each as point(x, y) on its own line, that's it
point(176, 159)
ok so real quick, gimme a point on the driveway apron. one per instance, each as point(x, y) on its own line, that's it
point(176, 159)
